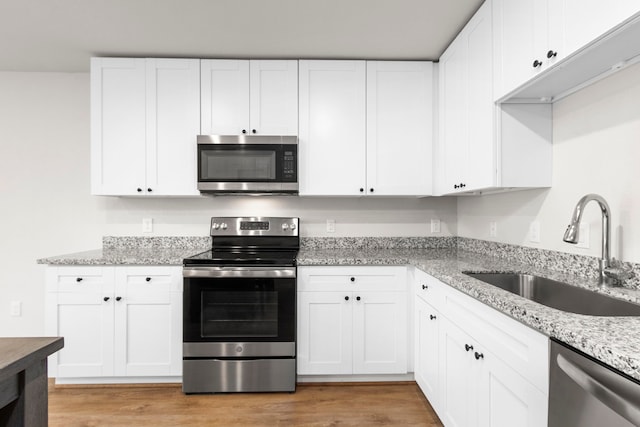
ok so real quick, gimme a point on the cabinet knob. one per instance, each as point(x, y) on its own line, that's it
point(149, 190)
point(551, 54)
point(462, 185)
point(78, 279)
point(118, 298)
point(468, 347)
point(139, 190)
point(425, 287)
point(244, 131)
point(353, 279)
point(106, 298)
point(357, 298)
point(455, 186)
point(537, 63)
point(479, 355)
point(362, 190)
point(148, 279)
point(371, 190)
point(432, 317)
point(346, 298)
point(253, 131)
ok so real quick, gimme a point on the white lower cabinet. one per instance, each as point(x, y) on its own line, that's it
point(116, 321)
point(477, 366)
point(352, 320)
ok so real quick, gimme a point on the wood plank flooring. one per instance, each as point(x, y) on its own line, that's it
point(395, 404)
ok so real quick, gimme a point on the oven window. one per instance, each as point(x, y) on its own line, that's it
point(244, 314)
point(234, 165)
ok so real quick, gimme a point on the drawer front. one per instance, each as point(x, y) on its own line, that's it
point(522, 348)
point(79, 279)
point(151, 279)
point(343, 278)
point(428, 288)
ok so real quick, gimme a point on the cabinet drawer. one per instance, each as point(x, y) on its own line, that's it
point(152, 279)
point(517, 345)
point(343, 278)
point(79, 278)
point(428, 288)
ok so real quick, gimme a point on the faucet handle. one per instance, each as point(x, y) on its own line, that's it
point(618, 271)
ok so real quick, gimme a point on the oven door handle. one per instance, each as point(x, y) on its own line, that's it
point(253, 272)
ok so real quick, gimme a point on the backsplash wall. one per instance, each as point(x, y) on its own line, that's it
point(596, 149)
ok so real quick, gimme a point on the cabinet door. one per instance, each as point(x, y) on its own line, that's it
point(520, 37)
point(85, 320)
point(274, 97)
point(332, 128)
point(399, 128)
point(427, 367)
point(148, 321)
point(505, 398)
point(480, 169)
point(173, 111)
point(118, 107)
point(453, 114)
point(458, 378)
point(324, 333)
point(576, 23)
point(379, 333)
point(224, 90)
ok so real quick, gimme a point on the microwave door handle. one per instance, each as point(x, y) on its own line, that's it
point(598, 388)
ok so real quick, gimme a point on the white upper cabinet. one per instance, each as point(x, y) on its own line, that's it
point(332, 146)
point(533, 36)
point(144, 119)
point(366, 128)
point(484, 147)
point(249, 97)
point(399, 128)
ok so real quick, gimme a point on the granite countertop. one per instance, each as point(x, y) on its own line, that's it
point(613, 340)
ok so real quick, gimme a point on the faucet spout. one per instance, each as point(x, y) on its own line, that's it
point(571, 235)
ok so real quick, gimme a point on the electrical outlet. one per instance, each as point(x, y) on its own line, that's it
point(16, 308)
point(435, 226)
point(534, 232)
point(584, 236)
point(331, 226)
point(493, 229)
point(147, 225)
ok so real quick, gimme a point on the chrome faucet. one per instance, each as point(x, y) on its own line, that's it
point(611, 271)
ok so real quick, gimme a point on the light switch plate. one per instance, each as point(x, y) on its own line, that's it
point(534, 232)
point(435, 226)
point(493, 229)
point(331, 226)
point(147, 225)
point(16, 308)
point(584, 236)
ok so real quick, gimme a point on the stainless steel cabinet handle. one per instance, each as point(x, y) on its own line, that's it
point(601, 389)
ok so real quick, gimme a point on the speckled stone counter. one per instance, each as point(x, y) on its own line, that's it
point(613, 340)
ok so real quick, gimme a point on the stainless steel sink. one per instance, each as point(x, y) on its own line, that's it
point(559, 295)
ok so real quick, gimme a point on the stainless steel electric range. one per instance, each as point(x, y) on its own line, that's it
point(239, 318)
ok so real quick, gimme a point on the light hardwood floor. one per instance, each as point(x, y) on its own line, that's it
point(397, 404)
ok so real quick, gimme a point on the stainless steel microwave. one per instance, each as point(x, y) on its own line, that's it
point(247, 164)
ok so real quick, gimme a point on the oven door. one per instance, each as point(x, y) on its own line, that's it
point(247, 167)
point(239, 312)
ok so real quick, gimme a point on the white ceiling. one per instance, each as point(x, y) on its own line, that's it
point(61, 35)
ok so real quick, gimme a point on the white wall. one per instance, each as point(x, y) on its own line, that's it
point(47, 209)
point(596, 149)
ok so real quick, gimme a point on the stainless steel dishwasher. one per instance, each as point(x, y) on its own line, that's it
point(585, 392)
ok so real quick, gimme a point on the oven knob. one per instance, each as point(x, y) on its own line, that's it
point(239, 349)
point(285, 227)
point(215, 225)
point(292, 226)
point(223, 226)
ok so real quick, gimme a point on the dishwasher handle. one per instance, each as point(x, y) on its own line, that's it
point(602, 388)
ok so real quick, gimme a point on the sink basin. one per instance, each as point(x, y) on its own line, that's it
point(559, 295)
